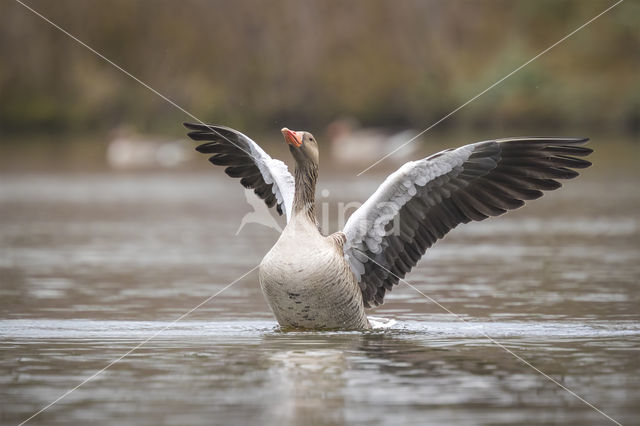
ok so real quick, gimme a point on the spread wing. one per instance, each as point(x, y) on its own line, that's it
point(423, 200)
point(269, 178)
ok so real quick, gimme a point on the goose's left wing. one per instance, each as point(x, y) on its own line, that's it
point(269, 178)
point(423, 200)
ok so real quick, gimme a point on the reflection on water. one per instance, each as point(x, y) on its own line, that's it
point(93, 264)
point(432, 372)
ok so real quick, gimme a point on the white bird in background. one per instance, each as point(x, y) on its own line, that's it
point(355, 146)
point(260, 214)
point(128, 150)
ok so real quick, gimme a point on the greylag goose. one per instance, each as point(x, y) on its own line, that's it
point(313, 281)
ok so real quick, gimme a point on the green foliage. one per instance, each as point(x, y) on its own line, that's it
point(262, 64)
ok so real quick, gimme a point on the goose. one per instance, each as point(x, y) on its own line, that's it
point(316, 282)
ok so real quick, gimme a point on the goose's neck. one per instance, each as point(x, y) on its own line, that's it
point(304, 200)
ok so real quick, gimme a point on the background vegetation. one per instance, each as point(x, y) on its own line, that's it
point(257, 65)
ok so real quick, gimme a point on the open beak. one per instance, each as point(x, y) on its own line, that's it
point(291, 137)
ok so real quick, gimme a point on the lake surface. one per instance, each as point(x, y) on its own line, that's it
point(92, 264)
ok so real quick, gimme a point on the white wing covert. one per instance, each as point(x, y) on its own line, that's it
point(423, 200)
point(269, 178)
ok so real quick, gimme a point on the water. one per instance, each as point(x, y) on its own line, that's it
point(93, 264)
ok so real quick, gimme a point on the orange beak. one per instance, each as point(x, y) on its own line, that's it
point(291, 137)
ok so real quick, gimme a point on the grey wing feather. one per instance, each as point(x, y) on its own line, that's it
point(423, 200)
point(269, 178)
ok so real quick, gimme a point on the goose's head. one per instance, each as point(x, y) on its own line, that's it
point(303, 147)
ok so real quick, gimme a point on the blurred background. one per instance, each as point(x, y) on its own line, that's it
point(111, 226)
point(259, 66)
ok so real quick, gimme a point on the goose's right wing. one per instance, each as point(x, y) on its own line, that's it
point(269, 178)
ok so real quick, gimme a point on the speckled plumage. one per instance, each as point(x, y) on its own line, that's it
point(308, 283)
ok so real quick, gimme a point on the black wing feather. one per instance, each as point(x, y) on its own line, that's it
point(231, 148)
point(496, 177)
